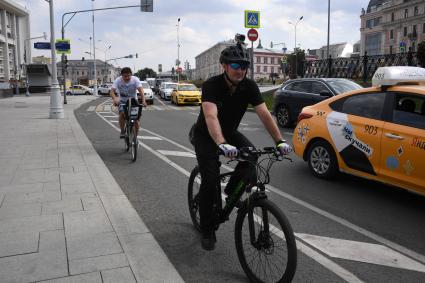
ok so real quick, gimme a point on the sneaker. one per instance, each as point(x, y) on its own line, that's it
point(208, 240)
point(122, 134)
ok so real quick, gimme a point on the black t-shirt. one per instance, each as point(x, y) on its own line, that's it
point(230, 107)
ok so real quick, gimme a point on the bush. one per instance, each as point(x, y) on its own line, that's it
point(421, 54)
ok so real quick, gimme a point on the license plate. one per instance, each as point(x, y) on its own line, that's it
point(134, 111)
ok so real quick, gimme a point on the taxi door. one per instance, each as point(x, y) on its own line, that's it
point(403, 144)
point(356, 132)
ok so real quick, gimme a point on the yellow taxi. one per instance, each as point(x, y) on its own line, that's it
point(186, 93)
point(376, 133)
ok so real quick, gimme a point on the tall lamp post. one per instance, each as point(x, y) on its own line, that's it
point(178, 51)
point(295, 44)
point(94, 54)
point(329, 25)
point(56, 107)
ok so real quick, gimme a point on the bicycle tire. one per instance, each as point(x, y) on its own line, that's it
point(134, 144)
point(127, 140)
point(266, 244)
point(193, 197)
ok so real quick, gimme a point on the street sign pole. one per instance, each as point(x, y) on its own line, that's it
point(252, 60)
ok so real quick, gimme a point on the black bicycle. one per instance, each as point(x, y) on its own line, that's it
point(264, 239)
point(132, 112)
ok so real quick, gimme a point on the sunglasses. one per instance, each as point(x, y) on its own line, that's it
point(236, 66)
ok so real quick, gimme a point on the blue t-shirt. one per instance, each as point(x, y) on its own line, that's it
point(127, 89)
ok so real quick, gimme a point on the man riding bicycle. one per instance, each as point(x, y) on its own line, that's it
point(124, 88)
point(225, 99)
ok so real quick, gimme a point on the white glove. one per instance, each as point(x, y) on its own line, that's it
point(228, 150)
point(283, 147)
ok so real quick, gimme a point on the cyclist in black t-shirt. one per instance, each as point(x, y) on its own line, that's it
point(225, 99)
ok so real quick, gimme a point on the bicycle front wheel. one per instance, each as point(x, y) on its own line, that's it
point(193, 188)
point(134, 143)
point(127, 138)
point(265, 243)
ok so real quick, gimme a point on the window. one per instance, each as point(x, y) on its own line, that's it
point(373, 44)
point(406, 13)
point(423, 28)
point(405, 31)
point(369, 23)
point(415, 33)
point(413, 46)
point(272, 69)
point(409, 110)
point(391, 49)
point(317, 88)
point(391, 34)
point(392, 17)
point(368, 105)
point(299, 86)
point(272, 60)
point(416, 11)
point(258, 69)
point(258, 59)
point(265, 69)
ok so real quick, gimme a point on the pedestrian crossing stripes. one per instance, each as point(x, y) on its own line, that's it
point(106, 108)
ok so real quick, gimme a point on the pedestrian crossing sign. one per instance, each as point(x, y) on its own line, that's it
point(252, 19)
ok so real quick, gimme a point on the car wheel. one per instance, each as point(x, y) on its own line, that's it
point(99, 92)
point(322, 160)
point(87, 93)
point(283, 117)
point(69, 93)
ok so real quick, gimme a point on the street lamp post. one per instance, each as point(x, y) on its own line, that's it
point(94, 54)
point(56, 107)
point(295, 44)
point(178, 51)
point(329, 25)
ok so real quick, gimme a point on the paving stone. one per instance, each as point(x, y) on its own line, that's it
point(49, 262)
point(86, 222)
point(147, 260)
point(91, 264)
point(36, 176)
point(122, 275)
point(123, 216)
point(23, 188)
point(52, 186)
point(75, 178)
point(34, 223)
point(77, 188)
point(17, 210)
point(79, 196)
point(33, 197)
point(84, 246)
point(86, 278)
point(18, 243)
point(92, 204)
point(56, 207)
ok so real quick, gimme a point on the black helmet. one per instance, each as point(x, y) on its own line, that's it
point(234, 54)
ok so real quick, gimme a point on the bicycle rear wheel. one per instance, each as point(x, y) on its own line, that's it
point(265, 243)
point(127, 138)
point(193, 188)
point(134, 143)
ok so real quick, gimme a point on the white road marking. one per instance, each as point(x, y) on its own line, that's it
point(91, 108)
point(156, 107)
point(107, 107)
point(103, 112)
point(362, 252)
point(149, 138)
point(176, 153)
point(196, 114)
point(243, 124)
point(114, 121)
point(249, 129)
point(114, 116)
point(159, 100)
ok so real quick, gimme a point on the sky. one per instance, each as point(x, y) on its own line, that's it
point(203, 23)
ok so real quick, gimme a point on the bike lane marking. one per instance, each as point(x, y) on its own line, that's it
point(310, 252)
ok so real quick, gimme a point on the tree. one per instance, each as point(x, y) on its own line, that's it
point(145, 73)
point(420, 54)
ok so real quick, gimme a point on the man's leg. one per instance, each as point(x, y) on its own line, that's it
point(122, 124)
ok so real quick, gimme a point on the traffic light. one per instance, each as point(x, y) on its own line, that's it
point(137, 56)
point(65, 61)
point(173, 71)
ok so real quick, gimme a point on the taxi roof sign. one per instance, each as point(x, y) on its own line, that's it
point(388, 76)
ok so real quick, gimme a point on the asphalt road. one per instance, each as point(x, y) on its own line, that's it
point(348, 229)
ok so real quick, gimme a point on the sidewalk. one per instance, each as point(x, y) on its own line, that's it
point(63, 217)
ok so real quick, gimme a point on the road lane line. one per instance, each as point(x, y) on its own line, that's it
point(177, 153)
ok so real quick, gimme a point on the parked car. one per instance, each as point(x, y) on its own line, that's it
point(79, 89)
point(166, 89)
point(147, 91)
point(377, 133)
point(186, 94)
point(104, 89)
point(293, 95)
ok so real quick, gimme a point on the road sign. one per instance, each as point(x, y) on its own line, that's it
point(252, 34)
point(179, 70)
point(402, 46)
point(42, 45)
point(252, 19)
point(284, 59)
point(159, 68)
point(63, 46)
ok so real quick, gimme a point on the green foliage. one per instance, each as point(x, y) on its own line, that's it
point(420, 54)
point(145, 73)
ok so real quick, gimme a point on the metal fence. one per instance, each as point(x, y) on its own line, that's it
point(360, 68)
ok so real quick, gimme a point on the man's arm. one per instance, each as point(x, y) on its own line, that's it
point(114, 96)
point(268, 121)
point(142, 95)
point(213, 125)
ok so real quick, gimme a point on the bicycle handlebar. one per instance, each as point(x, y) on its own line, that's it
point(245, 152)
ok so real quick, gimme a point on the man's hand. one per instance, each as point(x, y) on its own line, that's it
point(283, 147)
point(116, 100)
point(228, 150)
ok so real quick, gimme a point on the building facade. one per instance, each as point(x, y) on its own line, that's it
point(392, 26)
point(82, 72)
point(266, 61)
point(14, 32)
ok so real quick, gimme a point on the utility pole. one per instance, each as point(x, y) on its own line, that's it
point(329, 25)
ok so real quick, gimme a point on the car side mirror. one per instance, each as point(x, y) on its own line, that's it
point(325, 93)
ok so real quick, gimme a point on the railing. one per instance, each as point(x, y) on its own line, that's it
point(358, 68)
